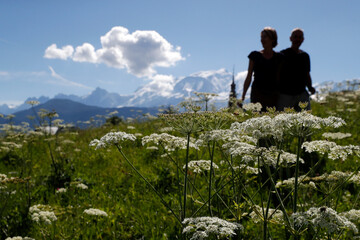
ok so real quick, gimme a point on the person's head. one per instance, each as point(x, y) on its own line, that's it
point(297, 37)
point(269, 37)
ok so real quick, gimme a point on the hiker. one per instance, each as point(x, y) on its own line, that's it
point(295, 75)
point(265, 66)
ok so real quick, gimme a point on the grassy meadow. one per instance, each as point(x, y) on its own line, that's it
point(225, 174)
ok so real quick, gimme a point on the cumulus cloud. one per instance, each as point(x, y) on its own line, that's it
point(85, 53)
point(63, 81)
point(139, 52)
point(62, 53)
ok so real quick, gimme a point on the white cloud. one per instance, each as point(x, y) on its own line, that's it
point(64, 53)
point(139, 52)
point(65, 82)
point(85, 53)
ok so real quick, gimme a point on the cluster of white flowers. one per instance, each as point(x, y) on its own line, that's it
point(206, 227)
point(61, 190)
point(303, 123)
point(253, 107)
point(3, 178)
point(42, 216)
point(130, 127)
point(259, 127)
point(95, 212)
point(82, 186)
point(247, 169)
point(327, 218)
point(334, 176)
point(353, 215)
point(170, 142)
point(271, 156)
point(257, 215)
point(336, 135)
point(166, 129)
point(33, 102)
point(304, 182)
point(11, 145)
point(333, 150)
point(152, 148)
point(68, 141)
point(111, 138)
point(19, 238)
point(198, 166)
point(227, 135)
point(339, 176)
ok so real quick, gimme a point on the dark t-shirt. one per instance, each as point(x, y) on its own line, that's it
point(265, 71)
point(294, 72)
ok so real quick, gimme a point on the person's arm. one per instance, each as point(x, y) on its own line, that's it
point(309, 84)
point(248, 78)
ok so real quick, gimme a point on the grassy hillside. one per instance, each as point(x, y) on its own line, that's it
point(161, 178)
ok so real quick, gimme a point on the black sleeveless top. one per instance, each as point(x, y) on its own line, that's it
point(266, 71)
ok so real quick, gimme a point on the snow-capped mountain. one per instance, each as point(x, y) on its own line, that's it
point(167, 91)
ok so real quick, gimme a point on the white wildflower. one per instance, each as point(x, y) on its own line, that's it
point(61, 190)
point(198, 166)
point(19, 238)
point(336, 135)
point(169, 142)
point(333, 150)
point(82, 186)
point(166, 129)
point(40, 214)
point(111, 138)
point(327, 218)
point(205, 227)
point(152, 148)
point(95, 212)
point(353, 215)
point(253, 107)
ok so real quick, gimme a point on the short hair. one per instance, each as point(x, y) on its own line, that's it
point(297, 30)
point(271, 33)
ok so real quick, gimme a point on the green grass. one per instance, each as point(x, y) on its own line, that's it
point(44, 164)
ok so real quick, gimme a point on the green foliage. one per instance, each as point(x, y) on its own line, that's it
point(62, 171)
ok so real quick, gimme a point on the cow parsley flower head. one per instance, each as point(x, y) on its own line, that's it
point(333, 150)
point(111, 138)
point(336, 135)
point(303, 124)
point(95, 212)
point(328, 219)
point(353, 215)
point(253, 107)
point(40, 214)
point(19, 238)
point(198, 166)
point(82, 186)
point(209, 227)
point(169, 142)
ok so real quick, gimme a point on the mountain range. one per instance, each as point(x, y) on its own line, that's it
point(76, 113)
point(176, 91)
point(147, 96)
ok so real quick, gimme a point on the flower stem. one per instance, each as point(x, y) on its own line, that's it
point(297, 175)
point(151, 186)
point(186, 172)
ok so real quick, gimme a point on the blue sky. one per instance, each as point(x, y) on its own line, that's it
point(72, 47)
